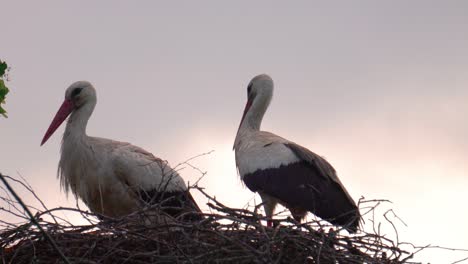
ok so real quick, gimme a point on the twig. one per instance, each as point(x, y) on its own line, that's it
point(46, 235)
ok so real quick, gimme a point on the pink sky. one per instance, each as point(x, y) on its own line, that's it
point(379, 89)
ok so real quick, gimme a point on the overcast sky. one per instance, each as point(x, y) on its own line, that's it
point(378, 88)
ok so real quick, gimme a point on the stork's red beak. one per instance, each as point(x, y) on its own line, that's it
point(246, 109)
point(62, 114)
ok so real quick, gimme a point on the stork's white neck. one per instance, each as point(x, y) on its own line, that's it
point(253, 118)
point(76, 125)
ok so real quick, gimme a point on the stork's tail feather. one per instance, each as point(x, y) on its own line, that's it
point(177, 204)
point(194, 212)
point(349, 220)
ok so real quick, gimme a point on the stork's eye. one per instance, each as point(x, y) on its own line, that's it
point(76, 92)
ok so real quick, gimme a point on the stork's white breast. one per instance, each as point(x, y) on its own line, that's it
point(260, 157)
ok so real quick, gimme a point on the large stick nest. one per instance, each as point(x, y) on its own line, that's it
point(225, 235)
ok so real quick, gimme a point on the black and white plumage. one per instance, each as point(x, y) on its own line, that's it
point(284, 172)
point(114, 178)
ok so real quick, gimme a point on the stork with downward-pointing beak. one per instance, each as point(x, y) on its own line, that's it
point(284, 172)
point(113, 178)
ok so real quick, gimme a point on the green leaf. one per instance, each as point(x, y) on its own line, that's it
point(3, 67)
point(3, 91)
point(3, 112)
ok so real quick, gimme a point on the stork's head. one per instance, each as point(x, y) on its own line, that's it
point(259, 94)
point(79, 94)
point(261, 85)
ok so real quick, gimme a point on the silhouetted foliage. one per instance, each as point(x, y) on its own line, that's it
point(3, 89)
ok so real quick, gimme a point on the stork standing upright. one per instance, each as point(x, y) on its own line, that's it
point(114, 178)
point(284, 172)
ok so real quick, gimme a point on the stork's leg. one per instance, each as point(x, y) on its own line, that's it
point(298, 213)
point(269, 204)
point(269, 223)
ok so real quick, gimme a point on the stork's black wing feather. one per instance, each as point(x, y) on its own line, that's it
point(307, 184)
point(173, 203)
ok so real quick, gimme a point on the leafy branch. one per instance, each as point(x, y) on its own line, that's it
point(3, 89)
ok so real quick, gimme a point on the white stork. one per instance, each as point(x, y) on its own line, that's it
point(113, 178)
point(284, 172)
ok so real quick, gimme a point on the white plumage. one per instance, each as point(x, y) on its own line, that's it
point(262, 150)
point(112, 178)
point(284, 172)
